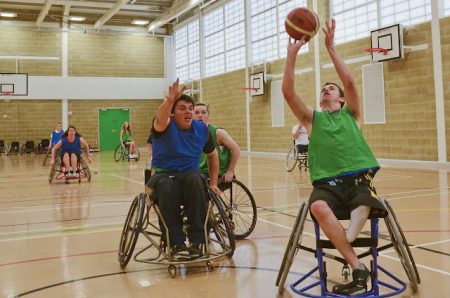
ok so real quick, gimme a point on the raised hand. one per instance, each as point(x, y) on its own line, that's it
point(294, 45)
point(329, 34)
point(175, 91)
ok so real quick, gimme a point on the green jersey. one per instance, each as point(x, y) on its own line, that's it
point(337, 146)
point(126, 136)
point(223, 152)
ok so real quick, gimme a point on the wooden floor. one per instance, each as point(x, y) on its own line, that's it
point(60, 240)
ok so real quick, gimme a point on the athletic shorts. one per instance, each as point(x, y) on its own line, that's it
point(345, 194)
point(70, 155)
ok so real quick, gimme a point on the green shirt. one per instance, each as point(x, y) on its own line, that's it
point(337, 146)
point(223, 152)
point(126, 136)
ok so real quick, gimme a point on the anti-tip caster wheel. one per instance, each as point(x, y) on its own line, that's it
point(172, 271)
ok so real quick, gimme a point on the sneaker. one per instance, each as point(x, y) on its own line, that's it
point(130, 156)
point(72, 175)
point(357, 286)
point(196, 250)
point(180, 251)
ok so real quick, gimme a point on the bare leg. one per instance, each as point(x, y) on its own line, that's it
point(132, 147)
point(66, 161)
point(334, 231)
point(358, 218)
point(73, 162)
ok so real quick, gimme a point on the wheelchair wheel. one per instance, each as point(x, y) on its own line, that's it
point(55, 169)
point(240, 206)
point(47, 154)
point(137, 153)
point(118, 154)
point(401, 247)
point(292, 247)
point(131, 229)
point(291, 159)
point(84, 169)
point(220, 225)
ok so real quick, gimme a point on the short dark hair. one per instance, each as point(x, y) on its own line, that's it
point(183, 97)
point(341, 92)
point(201, 104)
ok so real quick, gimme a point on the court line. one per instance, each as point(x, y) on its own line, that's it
point(125, 178)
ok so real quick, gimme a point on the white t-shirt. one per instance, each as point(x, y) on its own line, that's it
point(303, 138)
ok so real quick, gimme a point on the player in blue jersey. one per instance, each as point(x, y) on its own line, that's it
point(178, 142)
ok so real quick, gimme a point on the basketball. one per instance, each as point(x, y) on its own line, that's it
point(302, 21)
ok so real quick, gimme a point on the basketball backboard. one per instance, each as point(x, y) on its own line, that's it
point(257, 84)
point(388, 38)
point(13, 84)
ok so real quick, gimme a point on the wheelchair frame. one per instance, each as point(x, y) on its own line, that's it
point(293, 157)
point(57, 172)
point(398, 241)
point(139, 222)
point(122, 153)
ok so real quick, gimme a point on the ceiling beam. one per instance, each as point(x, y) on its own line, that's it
point(110, 13)
point(91, 4)
point(44, 12)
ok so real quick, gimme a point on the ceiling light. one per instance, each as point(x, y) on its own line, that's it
point(140, 22)
point(8, 14)
point(77, 19)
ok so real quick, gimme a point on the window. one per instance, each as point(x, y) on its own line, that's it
point(356, 18)
point(269, 37)
point(187, 52)
point(447, 8)
point(225, 38)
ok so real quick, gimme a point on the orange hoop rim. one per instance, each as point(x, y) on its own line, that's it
point(377, 50)
point(249, 89)
point(6, 93)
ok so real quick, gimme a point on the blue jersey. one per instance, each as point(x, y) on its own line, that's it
point(74, 147)
point(176, 150)
point(56, 136)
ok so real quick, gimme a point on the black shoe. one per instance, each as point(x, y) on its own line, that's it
point(196, 250)
point(357, 286)
point(180, 251)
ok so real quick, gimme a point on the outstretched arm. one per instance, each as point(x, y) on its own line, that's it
point(224, 139)
point(344, 73)
point(54, 149)
point(301, 110)
point(162, 118)
point(213, 170)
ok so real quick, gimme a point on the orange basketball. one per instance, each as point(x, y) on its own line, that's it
point(302, 21)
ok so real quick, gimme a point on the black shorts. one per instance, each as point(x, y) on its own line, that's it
point(302, 148)
point(344, 195)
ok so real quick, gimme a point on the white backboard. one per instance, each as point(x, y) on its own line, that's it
point(257, 82)
point(389, 38)
point(14, 84)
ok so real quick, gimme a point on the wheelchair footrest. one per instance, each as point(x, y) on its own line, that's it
point(359, 242)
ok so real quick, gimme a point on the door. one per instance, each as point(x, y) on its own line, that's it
point(110, 121)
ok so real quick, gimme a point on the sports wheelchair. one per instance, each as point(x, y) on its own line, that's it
point(59, 172)
point(398, 241)
point(144, 217)
point(122, 152)
point(294, 157)
point(238, 203)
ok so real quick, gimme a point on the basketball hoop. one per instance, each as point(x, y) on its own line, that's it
point(249, 89)
point(377, 50)
point(6, 93)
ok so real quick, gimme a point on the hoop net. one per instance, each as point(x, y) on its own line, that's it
point(377, 50)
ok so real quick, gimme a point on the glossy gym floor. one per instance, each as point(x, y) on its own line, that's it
point(61, 240)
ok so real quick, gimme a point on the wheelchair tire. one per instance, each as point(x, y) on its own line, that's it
point(85, 169)
point(240, 207)
point(118, 153)
point(45, 159)
point(138, 154)
point(131, 229)
point(291, 159)
point(292, 247)
point(52, 174)
point(401, 246)
point(220, 224)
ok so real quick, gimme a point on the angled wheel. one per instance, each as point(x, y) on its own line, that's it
point(240, 207)
point(55, 169)
point(47, 154)
point(292, 247)
point(118, 153)
point(220, 225)
point(137, 153)
point(131, 229)
point(291, 159)
point(84, 168)
point(401, 247)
